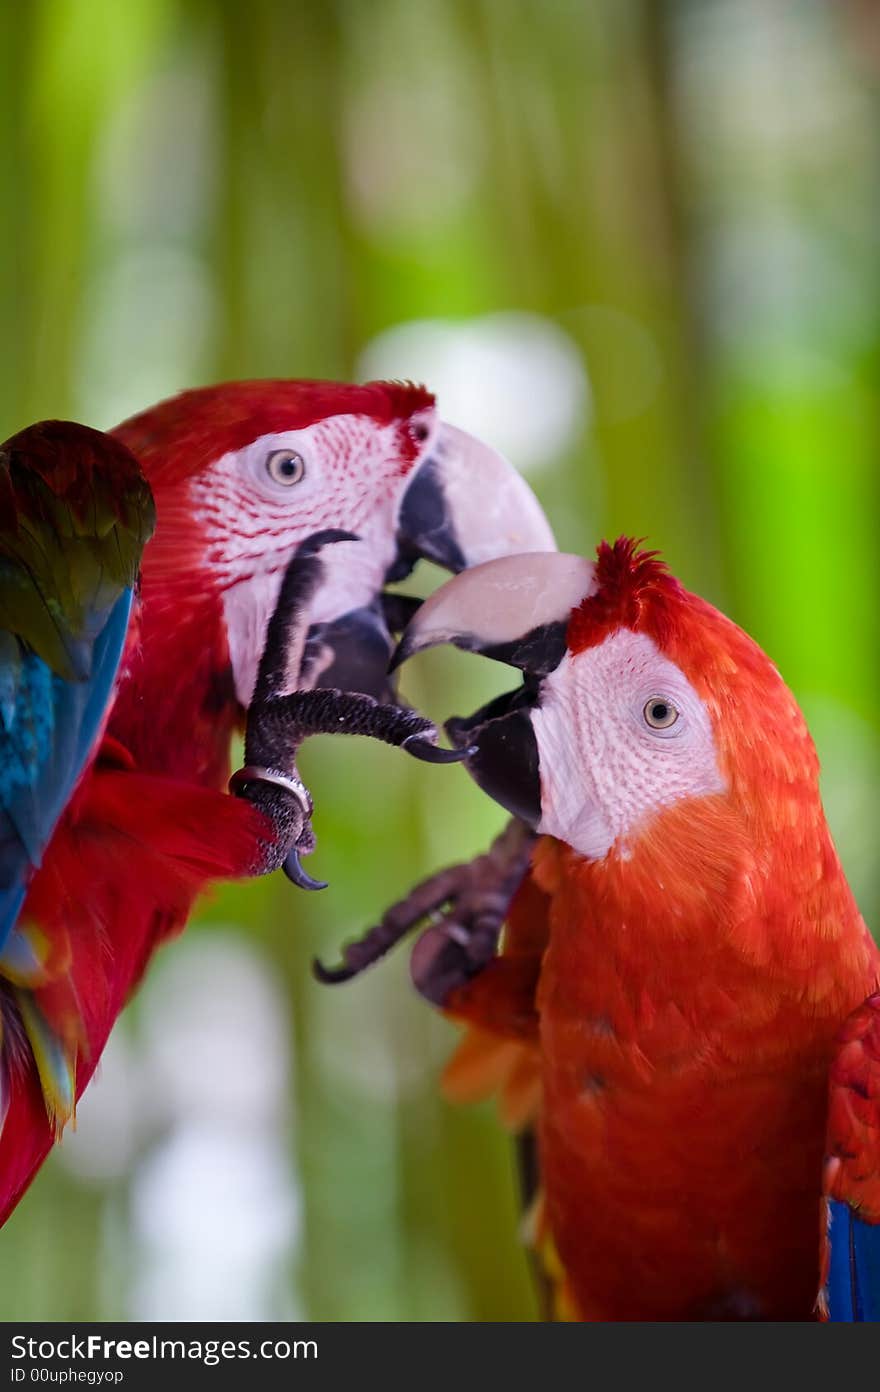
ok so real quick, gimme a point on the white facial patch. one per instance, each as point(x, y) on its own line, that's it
point(352, 479)
point(604, 768)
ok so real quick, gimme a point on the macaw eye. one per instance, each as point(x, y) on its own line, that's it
point(659, 713)
point(420, 426)
point(285, 466)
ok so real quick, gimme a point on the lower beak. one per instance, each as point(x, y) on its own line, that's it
point(503, 753)
point(515, 610)
point(350, 653)
point(464, 505)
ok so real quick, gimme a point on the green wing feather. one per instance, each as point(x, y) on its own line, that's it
point(75, 514)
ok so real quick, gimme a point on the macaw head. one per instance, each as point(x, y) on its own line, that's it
point(245, 472)
point(645, 715)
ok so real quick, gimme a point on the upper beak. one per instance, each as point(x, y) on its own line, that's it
point(515, 610)
point(466, 504)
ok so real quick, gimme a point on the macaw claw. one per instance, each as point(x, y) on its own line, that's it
point(277, 727)
point(447, 955)
point(294, 871)
point(280, 717)
point(430, 753)
point(425, 900)
point(465, 906)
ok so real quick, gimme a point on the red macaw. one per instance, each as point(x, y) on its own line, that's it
point(115, 817)
point(685, 973)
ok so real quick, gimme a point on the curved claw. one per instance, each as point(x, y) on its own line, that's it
point(439, 964)
point(331, 976)
point(423, 749)
point(297, 875)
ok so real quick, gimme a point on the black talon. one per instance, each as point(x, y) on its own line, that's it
point(357, 956)
point(295, 873)
point(432, 753)
point(331, 976)
point(461, 911)
point(438, 965)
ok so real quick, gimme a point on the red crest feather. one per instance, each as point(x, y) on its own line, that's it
point(633, 588)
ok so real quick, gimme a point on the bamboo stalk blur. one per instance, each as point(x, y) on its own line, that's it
point(682, 193)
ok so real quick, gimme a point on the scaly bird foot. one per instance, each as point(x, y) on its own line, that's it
point(280, 718)
point(465, 906)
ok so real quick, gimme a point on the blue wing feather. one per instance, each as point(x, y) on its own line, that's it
point(48, 727)
point(853, 1290)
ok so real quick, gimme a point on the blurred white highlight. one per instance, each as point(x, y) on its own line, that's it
point(203, 1096)
point(515, 380)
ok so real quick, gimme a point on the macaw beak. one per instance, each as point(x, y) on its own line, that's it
point(514, 610)
point(463, 505)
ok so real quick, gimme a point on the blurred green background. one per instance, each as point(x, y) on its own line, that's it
point(634, 243)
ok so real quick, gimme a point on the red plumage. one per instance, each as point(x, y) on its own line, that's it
point(632, 589)
point(150, 824)
point(852, 1169)
point(121, 874)
point(687, 990)
point(179, 437)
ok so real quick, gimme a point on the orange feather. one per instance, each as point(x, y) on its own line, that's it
point(688, 1001)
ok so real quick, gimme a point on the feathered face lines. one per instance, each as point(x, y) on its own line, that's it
point(621, 734)
point(255, 505)
point(246, 472)
point(762, 745)
point(649, 700)
point(344, 472)
point(180, 437)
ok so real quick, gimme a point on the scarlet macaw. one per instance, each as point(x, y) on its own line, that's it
point(686, 1003)
point(331, 489)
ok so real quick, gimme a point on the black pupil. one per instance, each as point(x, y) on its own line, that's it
point(659, 710)
point(420, 432)
point(289, 467)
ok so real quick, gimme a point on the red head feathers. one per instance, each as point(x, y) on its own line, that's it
point(179, 437)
